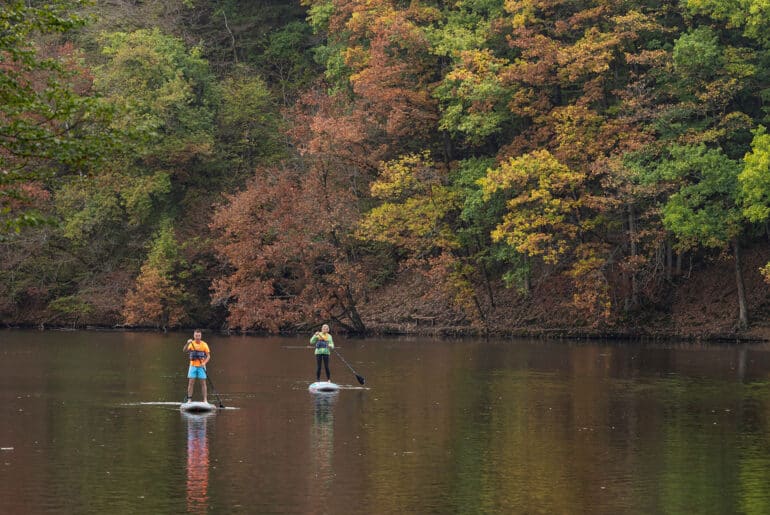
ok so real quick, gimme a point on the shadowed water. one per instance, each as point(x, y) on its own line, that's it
point(89, 423)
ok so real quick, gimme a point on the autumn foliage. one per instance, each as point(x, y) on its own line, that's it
point(499, 165)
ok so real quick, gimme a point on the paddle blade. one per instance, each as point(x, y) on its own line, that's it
point(361, 380)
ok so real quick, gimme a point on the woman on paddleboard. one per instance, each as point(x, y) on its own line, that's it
point(323, 343)
point(199, 356)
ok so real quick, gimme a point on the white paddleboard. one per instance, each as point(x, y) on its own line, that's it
point(197, 407)
point(323, 387)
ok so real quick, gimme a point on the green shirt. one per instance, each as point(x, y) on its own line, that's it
point(319, 337)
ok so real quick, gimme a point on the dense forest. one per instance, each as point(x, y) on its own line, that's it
point(466, 167)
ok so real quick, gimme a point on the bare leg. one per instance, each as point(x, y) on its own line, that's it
point(205, 390)
point(190, 383)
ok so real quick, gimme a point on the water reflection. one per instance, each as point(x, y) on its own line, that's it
point(448, 427)
point(322, 448)
point(197, 461)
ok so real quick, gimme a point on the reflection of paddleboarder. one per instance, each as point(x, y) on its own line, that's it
point(322, 442)
point(197, 463)
point(199, 356)
point(323, 344)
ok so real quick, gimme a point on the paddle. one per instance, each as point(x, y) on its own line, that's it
point(222, 406)
point(360, 379)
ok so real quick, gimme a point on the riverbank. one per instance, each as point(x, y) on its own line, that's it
point(424, 326)
point(700, 304)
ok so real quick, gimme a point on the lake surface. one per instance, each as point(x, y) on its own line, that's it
point(89, 423)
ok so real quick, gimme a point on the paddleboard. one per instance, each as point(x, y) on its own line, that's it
point(197, 407)
point(323, 387)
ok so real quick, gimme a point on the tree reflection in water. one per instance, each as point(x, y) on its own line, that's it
point(197, 462)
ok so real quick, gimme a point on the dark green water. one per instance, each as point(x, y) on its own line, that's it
point(87, 425)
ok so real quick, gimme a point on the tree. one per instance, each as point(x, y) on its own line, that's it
point(165, 102)
point(415, 218)
point(564, 77)
point(754, 183)
point(416, 201)
point(752, 15)
point(159, 297)
point(754, 179)
point(705, 210)
point(169, 168)
point(249, 127)
point(378, 51)
point(474, 98)
point(552, 214)
point(284, 241)
point(50, 121)
point(287, 62)
point(164, 88)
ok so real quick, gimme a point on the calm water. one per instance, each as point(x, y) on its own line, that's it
point(89, 423)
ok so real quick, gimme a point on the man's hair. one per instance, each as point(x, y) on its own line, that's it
point(197, 331)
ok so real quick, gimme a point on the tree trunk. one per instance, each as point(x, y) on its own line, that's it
point(355, 318)
point(485, 275)
point(448, 153)
point(632, 242)
point(678, 270)
point(527, 281)
point(232, 37)
point(488, 286)
point(479, 309)
point(743, 316)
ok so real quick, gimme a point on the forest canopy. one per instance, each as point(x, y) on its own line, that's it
point(477, 165)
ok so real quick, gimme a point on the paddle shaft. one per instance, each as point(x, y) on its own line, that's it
point(214, 389)
point(359, 378)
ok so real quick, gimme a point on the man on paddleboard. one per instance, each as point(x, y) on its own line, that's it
point(199, 356)
point(323, 343)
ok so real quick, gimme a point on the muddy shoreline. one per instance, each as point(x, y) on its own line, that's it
point(448, 332)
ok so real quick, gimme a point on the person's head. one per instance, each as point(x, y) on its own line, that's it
point(325, 328)
point(197, 334)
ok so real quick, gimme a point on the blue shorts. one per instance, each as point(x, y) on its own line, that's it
point(196, 373)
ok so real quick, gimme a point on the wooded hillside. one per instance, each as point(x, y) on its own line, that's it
point(507, 166)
